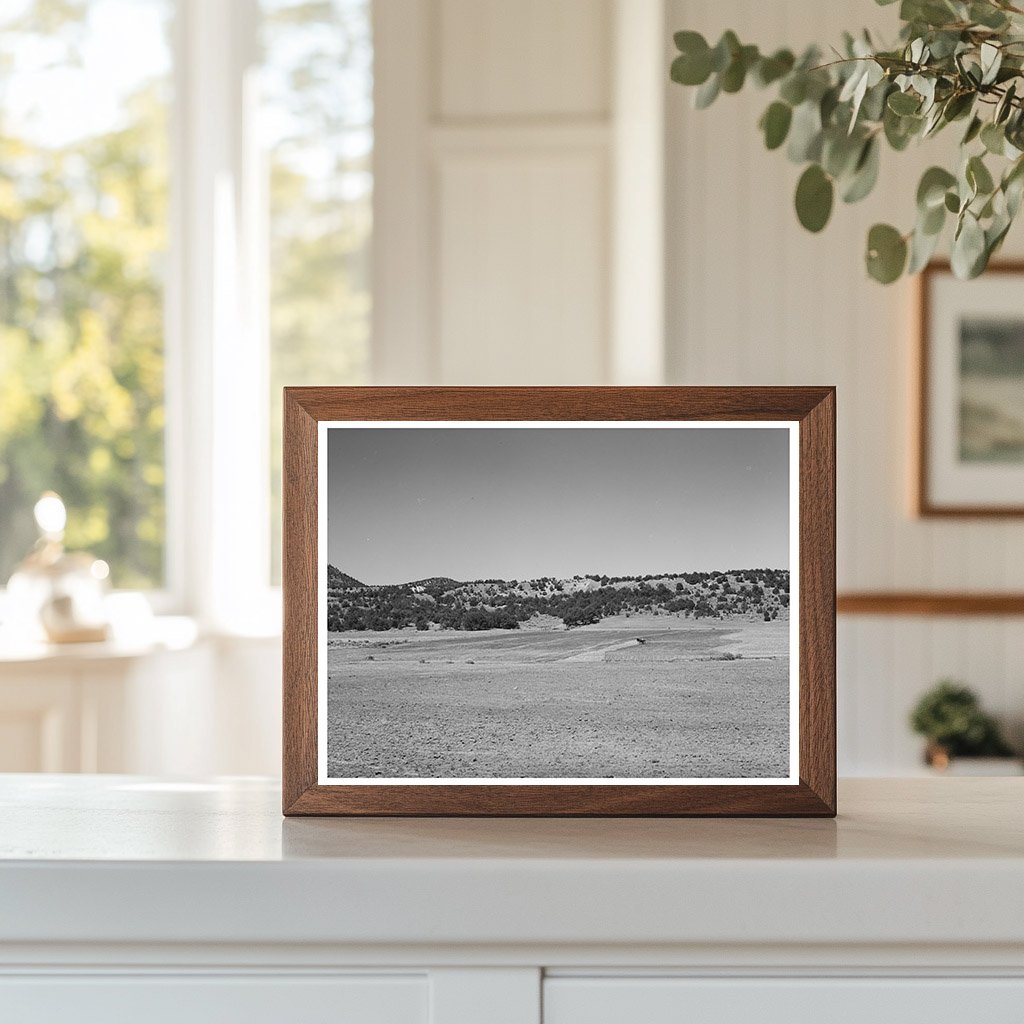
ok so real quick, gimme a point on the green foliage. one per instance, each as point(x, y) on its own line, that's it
point(956, 60)
point(504, 604)
point(887, 253)
point(83, 249)
point(82, 234)
point(949, 716)
point(814, 194)
point(775, 124)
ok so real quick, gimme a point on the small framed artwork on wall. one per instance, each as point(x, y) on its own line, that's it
point(559, 601)
point(970, 445)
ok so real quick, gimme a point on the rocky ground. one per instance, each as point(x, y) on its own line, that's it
point(693, 700)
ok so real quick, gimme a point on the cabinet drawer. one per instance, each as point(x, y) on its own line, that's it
point(202, 999)
point(625, 1000)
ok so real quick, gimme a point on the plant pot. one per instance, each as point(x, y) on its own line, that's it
point(941, 762)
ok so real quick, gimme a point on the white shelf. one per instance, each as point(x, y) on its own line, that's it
point(130, 897)
point(124, 860)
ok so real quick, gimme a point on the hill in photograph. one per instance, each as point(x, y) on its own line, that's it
point(443, 603)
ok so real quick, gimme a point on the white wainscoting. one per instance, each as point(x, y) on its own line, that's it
point(754, 299)
point(515, 144)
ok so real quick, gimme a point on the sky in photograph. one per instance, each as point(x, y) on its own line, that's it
point(518, 503)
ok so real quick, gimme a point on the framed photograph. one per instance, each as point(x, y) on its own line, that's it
point(970, 450)
point(559, 601)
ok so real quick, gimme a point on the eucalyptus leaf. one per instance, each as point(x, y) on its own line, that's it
point(690, 70)
point(771, 69)
point(973, 130)
point(931, 190)
point(1005, 105)
point(687, 41)
point(944, 44)
point(875, 98)
point(968, 248)
point(805, 133)
point(904, 103)
point(930, 12)
point(932, 221)
point(865, 174)
point(867, 74)
point(827, 106)
point(978, 176)
point(922, 248)
point(814, 196)
point(886, 253)
point(707, 93)
point(925, 87)
point(991, 60)
point(957, 106)
point(987, 15)
point(966, 187)
point(993, 138)
point(1014, 192)
point(724, 51)
point(794, 88)
point(775, 124)
point(735, 74)
point(840, 152)
point(900, 130)
point(932, 122)
point(1013, 186)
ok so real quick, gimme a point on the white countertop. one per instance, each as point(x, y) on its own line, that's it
point(120, 859)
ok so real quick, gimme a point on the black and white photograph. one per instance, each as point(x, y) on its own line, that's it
point(557, 602)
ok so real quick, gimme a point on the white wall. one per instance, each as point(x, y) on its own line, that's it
point(754, 299)
point(513, 164)
point(501, 152)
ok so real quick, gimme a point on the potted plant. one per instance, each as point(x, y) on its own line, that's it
point(957, 62)
point(950, 718)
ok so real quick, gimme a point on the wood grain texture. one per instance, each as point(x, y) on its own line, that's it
point(924, 603)
point(817, 568)
point(814, 408)
point(923, 503)
point(299, 596)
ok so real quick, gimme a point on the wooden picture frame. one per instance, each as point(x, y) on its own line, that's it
point(942, 489)
point(808, 413)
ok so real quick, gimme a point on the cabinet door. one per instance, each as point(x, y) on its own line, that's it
point(627, 1000)
point(202, 999)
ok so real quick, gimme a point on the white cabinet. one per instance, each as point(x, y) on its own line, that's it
point(654, 1000)
point(133, 899)
point(216, 1000)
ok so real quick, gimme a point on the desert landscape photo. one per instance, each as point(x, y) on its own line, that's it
point(656, 645)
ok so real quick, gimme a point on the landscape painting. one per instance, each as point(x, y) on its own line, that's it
point(991, 390)
point(550, 602)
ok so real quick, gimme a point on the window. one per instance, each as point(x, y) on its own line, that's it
point(185, 222)
point(83, 234)
point(317, 119)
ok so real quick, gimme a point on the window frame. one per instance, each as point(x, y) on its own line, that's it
point(216, 329)
point(216, 341)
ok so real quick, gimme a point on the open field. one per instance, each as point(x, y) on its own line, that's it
point(696, 699)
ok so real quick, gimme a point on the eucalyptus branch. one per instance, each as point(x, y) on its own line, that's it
point(955, 61)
